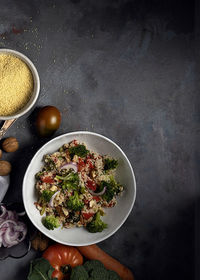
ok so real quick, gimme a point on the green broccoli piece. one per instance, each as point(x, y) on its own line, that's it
point(70, 181)
point(79, 150)
point(96, 270)
point(74, 203)
point(113, 275)
point(110, 164)
point(112, 188)
point(46, 195)
point(93, 270)
point(90, 265)
point(51, 222)
point(79, 273)
point(96, 225)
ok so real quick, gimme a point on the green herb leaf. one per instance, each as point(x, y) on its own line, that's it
point(40, 269)
point(79, 150)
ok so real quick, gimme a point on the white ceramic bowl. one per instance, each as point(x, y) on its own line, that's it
point(114, 217)
point(36, 81)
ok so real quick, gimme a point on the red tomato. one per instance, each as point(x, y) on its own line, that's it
point(89, 161)
point(91, 185)
point(87, 215)
point(47, 179)
point(48, 121)
point(61, 256)
point(81, 164)
point(97, 198)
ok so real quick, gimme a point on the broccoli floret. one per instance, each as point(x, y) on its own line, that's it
point(90, 265)
point(112, 188)
point(79, 273)
point(93, 270)
point(113, 275)
point(51, 222)
point(96, 225)
point(96, 270)
point(70, 181)
point(110, 164)
point(46, 195)
point(74, 203)
point(79, 150)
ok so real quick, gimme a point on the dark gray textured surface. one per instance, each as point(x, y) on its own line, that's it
point(127, 70)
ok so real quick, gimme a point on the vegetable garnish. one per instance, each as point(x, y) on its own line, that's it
point(12, 231)
point(74, 186)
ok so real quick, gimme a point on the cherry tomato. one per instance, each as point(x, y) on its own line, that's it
point(48, 121)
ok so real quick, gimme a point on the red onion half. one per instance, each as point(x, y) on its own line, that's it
point(12, 231)
point(70, 165)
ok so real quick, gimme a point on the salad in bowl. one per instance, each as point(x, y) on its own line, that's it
point(74, 186)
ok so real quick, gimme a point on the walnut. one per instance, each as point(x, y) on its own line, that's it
point(10, 145)
point(5, 168)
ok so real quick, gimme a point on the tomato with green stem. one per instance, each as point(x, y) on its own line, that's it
point(62, 258)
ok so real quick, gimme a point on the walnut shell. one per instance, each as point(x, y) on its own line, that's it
point(5, 168)
point(10, 145)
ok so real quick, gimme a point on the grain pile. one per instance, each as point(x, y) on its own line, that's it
point(16, 84)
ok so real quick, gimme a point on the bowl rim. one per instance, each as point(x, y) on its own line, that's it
point(125, 217)
point(36, 78)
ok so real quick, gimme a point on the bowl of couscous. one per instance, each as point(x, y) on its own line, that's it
point(19, 84)
point(79, 188)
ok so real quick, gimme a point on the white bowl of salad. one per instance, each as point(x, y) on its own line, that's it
point(79, 188)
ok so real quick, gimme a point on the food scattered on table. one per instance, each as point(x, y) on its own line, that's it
point(12, 231)
point(16, 84)
point(48, 121)
point(74, 186)
point(5, 168)
point(62, 258)
point(66, 262)
point(10, 145)
point(92, 252)
point(40, 242)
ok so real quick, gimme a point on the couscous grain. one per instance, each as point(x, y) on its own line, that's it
point(16, 84)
